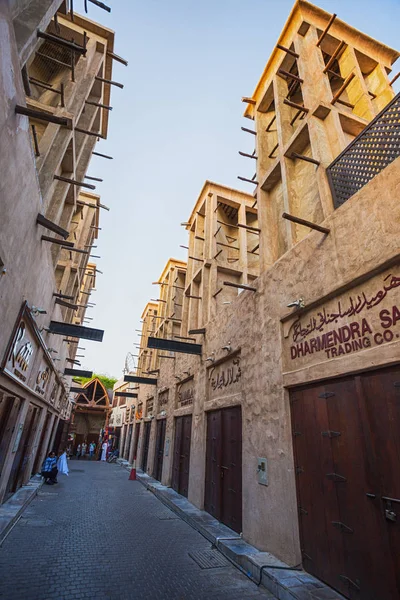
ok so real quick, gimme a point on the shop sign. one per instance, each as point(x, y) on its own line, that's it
point(163, 398)
point(185, 393)
point(225, 378)
point(367, 316)
point(149, 407)
point(27, 360)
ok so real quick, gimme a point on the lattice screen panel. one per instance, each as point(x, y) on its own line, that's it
point(367, 155)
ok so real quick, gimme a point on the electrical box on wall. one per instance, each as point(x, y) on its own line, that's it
point(262, 471)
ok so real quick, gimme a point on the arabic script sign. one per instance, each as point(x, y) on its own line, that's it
point(367, 316)
point(224, 378)
point(185, 393)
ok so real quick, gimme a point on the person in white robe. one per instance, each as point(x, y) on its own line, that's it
point(104, 451)
point(62, 464)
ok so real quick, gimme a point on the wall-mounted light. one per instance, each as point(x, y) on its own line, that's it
point(228, 348)
point(35, 310)
point(297, 303)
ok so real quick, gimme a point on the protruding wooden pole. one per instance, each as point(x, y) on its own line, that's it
point(342, 88)
point(327, 28)
point(248, 130)
point(291, 75)
point(102, 155)
point(248, 155)
point(305, 223)
point(294, 105)
point(248, 180)
point(89, 186)
point(288, 50)
point(334, 55)
point(240, 286)
point(306, 158)
point(248, 100)
point(395, 78)
point(43, 116)
point(110, 82)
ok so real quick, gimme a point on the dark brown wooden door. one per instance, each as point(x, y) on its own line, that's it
point(347, 456)
point(136, 440)
point(159, 454)
point(146, 443)
point(181, 462)
point(223, 490)
point(37, 465)
point(22, 454)
point(9, 410)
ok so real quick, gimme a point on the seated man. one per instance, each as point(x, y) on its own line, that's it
point(49, 469)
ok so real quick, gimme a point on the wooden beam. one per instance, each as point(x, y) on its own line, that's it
point(306, 158)
point(248, 155)
point(41, 220)
point(61, 42)
point(35, 140)
point(248, 100)
point(306, 223)
point(89, 186)
point(102, 155)
point(109, 81)
point(395, 78)
point(248, 130)
point(241, 286)
point(248, 180)
point(87, 132)
point(194, 297)
point(255, 229)
point(336, 53)
point(75, 249)
point(69, 245)
point(66, 304)
point(99, 105)
point(288, 50)
point(43, 116)
point(294, 105)
point(327, 28)
point(91, 179)
point(291, 75)
point(101, 5)
point(65, 296)
point(339, 101)
point(118, 58)
point(25, 81)
point(340, 91)
point(202, 330)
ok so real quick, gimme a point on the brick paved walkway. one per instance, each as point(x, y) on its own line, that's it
point(97, 535)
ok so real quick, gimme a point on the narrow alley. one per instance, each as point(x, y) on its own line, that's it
point(97, 535)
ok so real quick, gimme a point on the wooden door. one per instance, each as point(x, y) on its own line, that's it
point(159, 453)
point(9, 410)
point(345, 447)
point(223, 490)
point(37, 465)
point(136, 441)
point(22, 454)
point(146, 443)
point(181, 461)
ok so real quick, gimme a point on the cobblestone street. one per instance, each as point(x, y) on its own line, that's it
point(98, 535)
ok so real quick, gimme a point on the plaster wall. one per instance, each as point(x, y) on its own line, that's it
point(362, 242)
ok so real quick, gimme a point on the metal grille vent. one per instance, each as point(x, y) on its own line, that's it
point(368, 154)
point(209, 559)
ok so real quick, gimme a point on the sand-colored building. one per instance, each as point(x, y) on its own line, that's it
point(54, 107)
point(283, 424)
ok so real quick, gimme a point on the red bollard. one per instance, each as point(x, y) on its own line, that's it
point(132, 476)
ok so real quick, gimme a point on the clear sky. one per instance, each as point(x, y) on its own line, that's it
point(175, 124)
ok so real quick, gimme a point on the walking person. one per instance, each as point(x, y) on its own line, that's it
point(104, 448)
point(78, 451)
point(92, 449)
point(49, 469)
point(84, 448)
point(62, 463)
